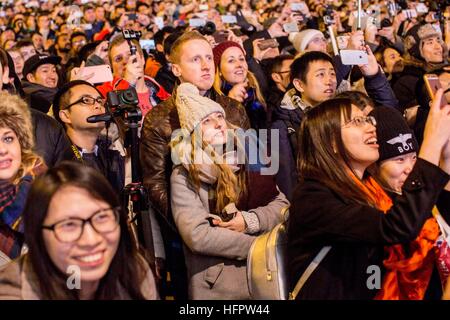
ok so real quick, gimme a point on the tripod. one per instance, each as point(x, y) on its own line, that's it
point(134, 194)
point(123, 105)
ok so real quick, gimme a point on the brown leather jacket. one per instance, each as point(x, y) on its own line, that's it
point(155, 158)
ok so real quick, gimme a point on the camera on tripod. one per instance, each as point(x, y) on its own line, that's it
point(119, 98)
point(124, 104)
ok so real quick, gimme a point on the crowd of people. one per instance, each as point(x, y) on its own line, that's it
point(242, 109)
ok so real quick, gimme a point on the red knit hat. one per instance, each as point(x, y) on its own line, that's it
point(220, 49)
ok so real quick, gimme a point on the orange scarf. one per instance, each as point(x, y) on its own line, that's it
point(407, 274)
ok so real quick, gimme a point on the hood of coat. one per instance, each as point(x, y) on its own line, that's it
point(34, 89)
point(39, 97)
point(291, 107)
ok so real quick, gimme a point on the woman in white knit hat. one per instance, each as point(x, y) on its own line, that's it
point(219, 203)
point(308, 40)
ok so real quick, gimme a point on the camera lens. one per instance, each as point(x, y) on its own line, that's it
point(209, 28)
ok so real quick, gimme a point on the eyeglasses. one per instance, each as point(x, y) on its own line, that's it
point(361, 121)
point(284, 71)
point(70, 230)
point(88, 101)
point(82, 42)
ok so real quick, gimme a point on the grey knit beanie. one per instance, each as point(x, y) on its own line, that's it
point(192, 107)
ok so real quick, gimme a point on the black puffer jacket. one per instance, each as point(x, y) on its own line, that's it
point(51, 141)
point(404, 87)
point(287, 118)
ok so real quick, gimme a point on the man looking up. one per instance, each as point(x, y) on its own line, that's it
point(74, 103)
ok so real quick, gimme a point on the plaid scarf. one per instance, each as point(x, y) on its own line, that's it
point(13, 198)
point(12, 202)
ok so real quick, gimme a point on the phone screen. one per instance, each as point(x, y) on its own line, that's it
point(297, 6)
point(433, 84)
point(147, 45)
point(290, 27)
point(229, 19)
point(98, 74)
point(131, 16)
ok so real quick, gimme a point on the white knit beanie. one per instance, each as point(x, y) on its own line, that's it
point(192, 107)
point(301, 39)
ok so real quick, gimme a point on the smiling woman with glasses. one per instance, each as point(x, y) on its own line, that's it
point(79, 243)
point(341, 219)
point(71, 229)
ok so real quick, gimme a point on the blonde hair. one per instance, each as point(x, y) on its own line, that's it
point(15, 115)
point(175, 51)
point(253, 83)
point(230, 186)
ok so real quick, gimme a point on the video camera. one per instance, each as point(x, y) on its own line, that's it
point(328, 17)
point(132, 35)
point(120, 98)
point(120, 104)
point(208, 29)
point(124, 104)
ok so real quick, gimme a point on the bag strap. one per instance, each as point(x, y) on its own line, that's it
point(443, 226)
point(308, 272)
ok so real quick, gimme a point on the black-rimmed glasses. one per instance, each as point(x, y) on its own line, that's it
point(88, 101)
point(70, 230)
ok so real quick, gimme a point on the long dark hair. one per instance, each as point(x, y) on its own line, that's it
point(127, 269)
point(322, 154)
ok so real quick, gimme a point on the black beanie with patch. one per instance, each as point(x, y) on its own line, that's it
point(394, 136)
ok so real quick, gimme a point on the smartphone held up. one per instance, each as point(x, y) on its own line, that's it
point(433, 84)
point(354, 57)
point(268, 43)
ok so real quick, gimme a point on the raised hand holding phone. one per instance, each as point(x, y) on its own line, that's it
point(433, 84)
point(437, 130)
point(80, 74)
point(98, 74)
point(372, 67)
point(260, 48)
point(356, 40)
